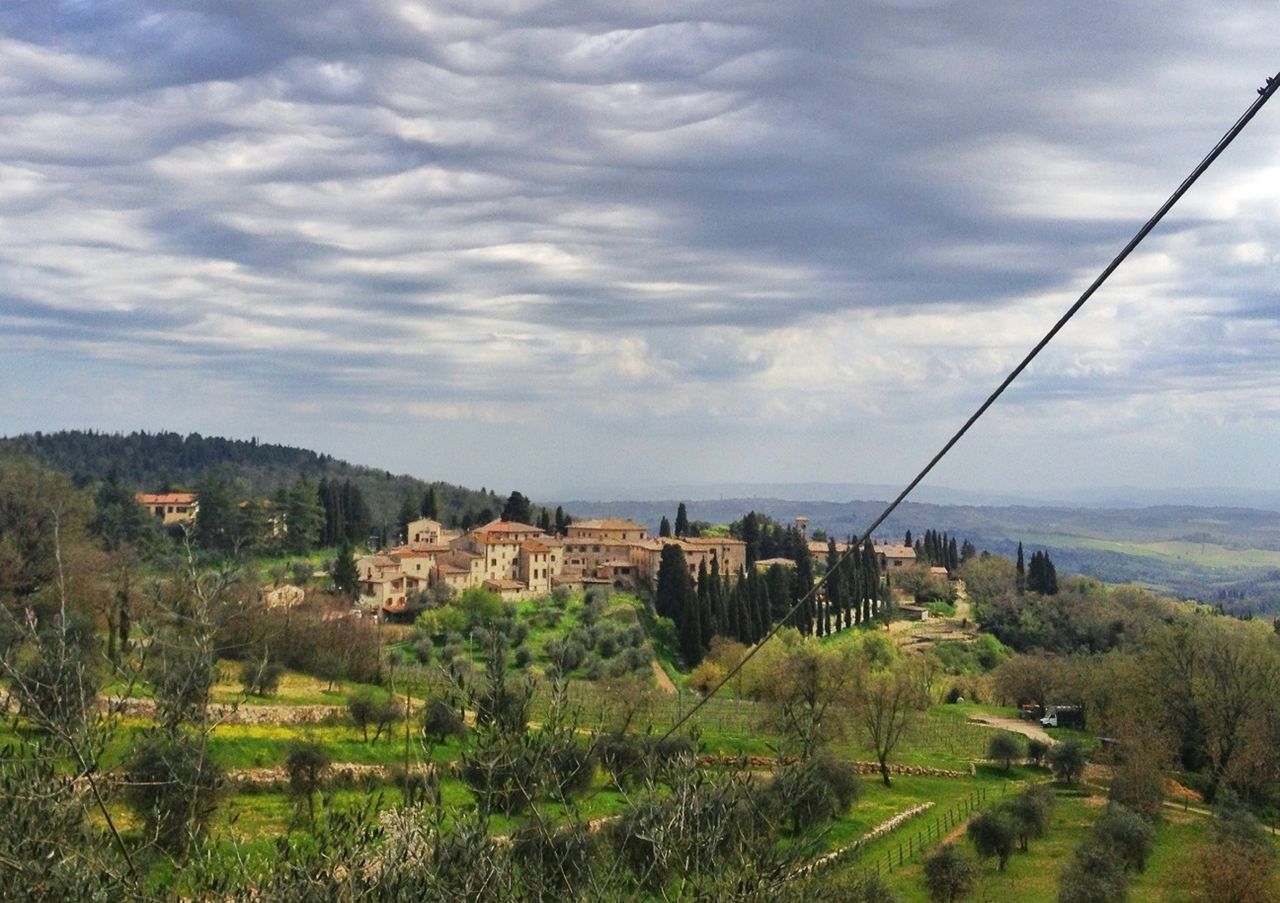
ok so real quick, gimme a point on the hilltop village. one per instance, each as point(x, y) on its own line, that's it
point(519, 561)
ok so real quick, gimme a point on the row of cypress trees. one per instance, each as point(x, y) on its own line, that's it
point(745, 607)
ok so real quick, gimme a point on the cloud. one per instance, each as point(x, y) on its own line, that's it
point(621, 221)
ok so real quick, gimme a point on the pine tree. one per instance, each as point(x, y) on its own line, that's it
point(304, 517)
point(518, 508)
point(409, 508)
point(682, 520)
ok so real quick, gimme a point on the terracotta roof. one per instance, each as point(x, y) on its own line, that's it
point(533, 545)
point(507, 526)
point(606, 523)
point(504, 584)
point(712, 541)
point(166, 498)
point(890, 550)
point(820, 548)
point(446, 568)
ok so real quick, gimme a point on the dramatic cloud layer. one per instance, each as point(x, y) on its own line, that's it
point(560, 244)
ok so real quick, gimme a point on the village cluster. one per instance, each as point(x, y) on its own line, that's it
point(519, 561)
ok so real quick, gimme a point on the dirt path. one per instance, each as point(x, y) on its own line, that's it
point(1016, 725)
point(664, 680)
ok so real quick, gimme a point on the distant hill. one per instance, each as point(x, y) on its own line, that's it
point(160, 461)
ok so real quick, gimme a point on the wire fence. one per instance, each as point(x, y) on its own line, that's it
point(928, 834)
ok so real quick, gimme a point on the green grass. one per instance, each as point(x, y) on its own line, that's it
point(1029, 876)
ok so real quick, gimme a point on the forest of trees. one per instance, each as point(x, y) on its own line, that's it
point(155, 462)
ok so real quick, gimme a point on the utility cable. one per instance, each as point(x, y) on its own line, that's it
point(1264, 94)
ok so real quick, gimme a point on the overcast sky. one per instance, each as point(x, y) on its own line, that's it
point(553, 246)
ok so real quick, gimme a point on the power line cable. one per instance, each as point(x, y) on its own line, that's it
point(1264, 94)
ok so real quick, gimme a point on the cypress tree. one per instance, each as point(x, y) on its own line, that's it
point(682, 520)
point(834, 588)
point(673, 575)
point(705, 616)
point(1022, 570)
point(751, 536)
point(664, 527)
point(429, 508)
point(763, 606)
point(719, 601)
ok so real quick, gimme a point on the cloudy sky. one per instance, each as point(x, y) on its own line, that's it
point(557, 245)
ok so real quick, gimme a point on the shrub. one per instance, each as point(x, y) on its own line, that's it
point(173, 785)
point(812, 792)
point(1037, 750)
point(1067, 761)
point(306, 764)
point(949, 874)
point(1128, 834)
point(523, 656)
point(1004, 747)
point(261, 678)
point(1030, 812)
point(993, 834)
point(366, 708)
point(1094, 875)
point(440, 721)
point(552, 861)
point(705, 677)
point(573, 768)
point(423, 650)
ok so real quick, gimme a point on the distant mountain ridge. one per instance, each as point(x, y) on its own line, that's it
point(152, 461)
point(1099, 497)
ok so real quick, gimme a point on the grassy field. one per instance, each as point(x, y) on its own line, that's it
point(1202, 554)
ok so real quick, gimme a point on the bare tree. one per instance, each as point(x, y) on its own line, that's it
point(886, 704)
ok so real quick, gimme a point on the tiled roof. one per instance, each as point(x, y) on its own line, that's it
point(607, 523)
point(166, 498)
point(890, 550)
point(507, 526)
point(712, 541)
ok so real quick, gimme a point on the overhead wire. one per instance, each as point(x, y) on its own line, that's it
point(1264, 94)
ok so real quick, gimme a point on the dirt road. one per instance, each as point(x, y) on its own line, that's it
point(1015, 725)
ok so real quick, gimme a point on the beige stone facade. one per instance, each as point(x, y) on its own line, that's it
point(170, 507)
point(520, 561)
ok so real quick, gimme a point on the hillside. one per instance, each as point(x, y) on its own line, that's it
point(157, 461)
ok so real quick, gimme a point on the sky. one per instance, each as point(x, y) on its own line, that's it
point(569, 247)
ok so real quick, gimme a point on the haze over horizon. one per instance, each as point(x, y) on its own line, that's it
point(542, 245)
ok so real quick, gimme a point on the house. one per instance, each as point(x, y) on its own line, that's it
point(893, 557)
point(763, 564)
point(170, 507)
